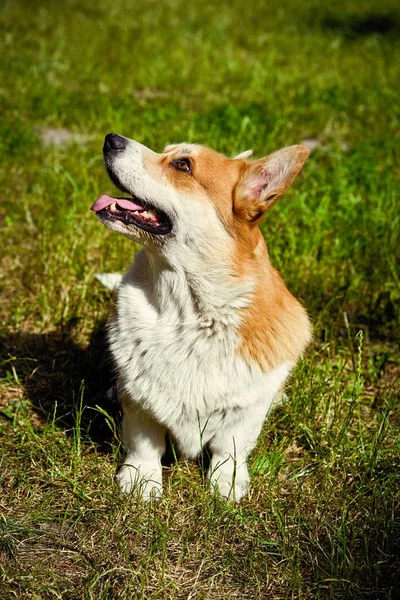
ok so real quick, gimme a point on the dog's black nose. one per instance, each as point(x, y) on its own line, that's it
point(113, 141)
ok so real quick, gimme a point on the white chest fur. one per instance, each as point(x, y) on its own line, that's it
point(182, 369)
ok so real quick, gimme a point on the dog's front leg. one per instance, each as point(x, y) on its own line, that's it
point(230, 448)
point(144, 441)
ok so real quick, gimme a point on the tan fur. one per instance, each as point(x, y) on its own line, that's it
point(275, 327)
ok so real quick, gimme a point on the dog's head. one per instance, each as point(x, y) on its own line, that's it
point(190, 192)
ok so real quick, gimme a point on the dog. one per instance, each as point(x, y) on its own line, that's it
point(203, 331)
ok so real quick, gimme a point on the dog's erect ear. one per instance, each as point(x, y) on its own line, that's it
point(266, 179)
point(243, 155)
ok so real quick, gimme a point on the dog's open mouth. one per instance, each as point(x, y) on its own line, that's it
point(133, 211)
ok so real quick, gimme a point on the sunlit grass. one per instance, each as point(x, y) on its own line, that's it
point(322, 516)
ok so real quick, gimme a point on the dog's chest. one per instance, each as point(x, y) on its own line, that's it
point(172, 363)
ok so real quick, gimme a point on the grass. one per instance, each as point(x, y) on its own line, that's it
point(322, 518)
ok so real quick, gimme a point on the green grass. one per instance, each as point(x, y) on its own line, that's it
point(322, 519)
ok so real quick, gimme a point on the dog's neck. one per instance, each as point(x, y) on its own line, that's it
point(197, 286)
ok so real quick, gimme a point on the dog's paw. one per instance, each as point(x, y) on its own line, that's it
point(144, 481)
point(231, 488)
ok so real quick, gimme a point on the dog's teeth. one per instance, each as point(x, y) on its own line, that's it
point(147, 215)
point(113, 206)
point(151, 214)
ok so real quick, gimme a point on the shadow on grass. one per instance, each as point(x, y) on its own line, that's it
point(354, 26)
point(57, 375)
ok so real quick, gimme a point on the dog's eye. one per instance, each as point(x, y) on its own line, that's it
point(183, 164)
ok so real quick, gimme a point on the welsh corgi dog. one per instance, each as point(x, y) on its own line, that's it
point(203, 331)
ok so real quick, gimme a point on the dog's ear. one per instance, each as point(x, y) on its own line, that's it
point(243, 155)
point(265, 180)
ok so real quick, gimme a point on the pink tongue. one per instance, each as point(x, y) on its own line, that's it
point(104, 201)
